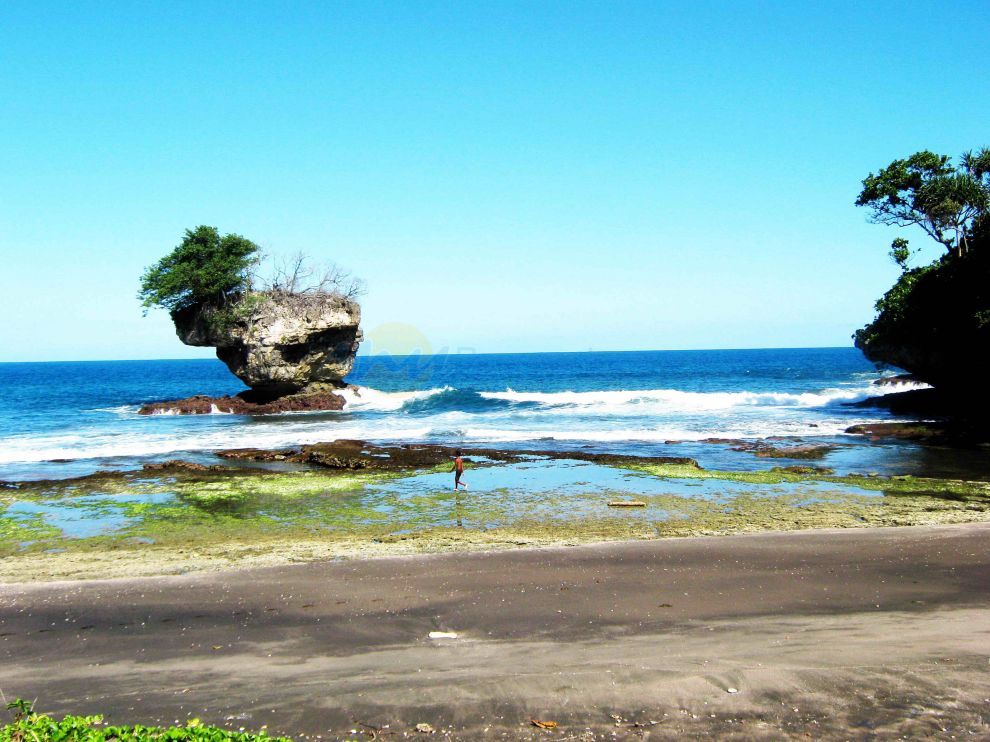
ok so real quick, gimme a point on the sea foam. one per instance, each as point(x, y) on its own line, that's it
point(449, 415)
point(673, 400)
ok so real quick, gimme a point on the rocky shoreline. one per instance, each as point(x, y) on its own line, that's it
point(939, 418)
point(354, 455)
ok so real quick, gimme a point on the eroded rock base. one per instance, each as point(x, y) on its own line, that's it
point(247, 403)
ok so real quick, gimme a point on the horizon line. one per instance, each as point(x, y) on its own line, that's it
point(496, 353)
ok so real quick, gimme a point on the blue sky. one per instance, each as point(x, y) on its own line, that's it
point(504, 176)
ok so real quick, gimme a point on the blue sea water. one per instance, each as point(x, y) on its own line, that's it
point(84, 414)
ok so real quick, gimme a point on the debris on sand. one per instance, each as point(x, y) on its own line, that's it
point(443, 635)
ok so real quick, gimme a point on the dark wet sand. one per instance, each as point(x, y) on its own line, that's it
point(833, 634)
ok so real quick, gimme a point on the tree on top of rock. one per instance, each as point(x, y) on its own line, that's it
point(928, 191)
point(206, 269)
point(935, 319)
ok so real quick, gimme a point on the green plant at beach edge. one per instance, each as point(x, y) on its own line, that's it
point(31, 726)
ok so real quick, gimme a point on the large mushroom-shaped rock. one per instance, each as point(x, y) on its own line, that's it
point(280, 344)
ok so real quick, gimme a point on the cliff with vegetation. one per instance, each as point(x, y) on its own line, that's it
point(935, 321)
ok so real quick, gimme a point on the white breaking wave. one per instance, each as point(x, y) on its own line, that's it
point(124, 409)
point(635, 402)
point(648, 435)
point(438, 428)
point(96, 446)
point(368, 399)
point(673, 400)
point(598, 416)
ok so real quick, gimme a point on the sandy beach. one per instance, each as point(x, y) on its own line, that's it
point(842, 634)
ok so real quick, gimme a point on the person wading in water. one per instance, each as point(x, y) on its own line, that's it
point(458, 470)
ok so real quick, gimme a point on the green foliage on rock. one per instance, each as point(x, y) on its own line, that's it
point(206, 269)
point(28, 725)
point(900, 252)
point(219, 319)
point(935, 320)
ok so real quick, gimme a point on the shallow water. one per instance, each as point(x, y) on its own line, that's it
point(87, 515)
point(561, 490)
point(535, 490)
point(852, 455)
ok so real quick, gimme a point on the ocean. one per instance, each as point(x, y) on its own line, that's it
point(67, 419)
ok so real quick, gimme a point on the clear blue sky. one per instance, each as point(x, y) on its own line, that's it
point(505, 176)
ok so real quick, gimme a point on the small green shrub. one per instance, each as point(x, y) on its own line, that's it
point(221, 319)
point(29, 726)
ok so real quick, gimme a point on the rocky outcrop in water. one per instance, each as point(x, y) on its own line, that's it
point(278, 343)
point(246, 403)
point(293, 350)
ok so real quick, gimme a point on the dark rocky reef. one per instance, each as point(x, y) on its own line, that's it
point(818, 471)
point(247, 403)
point(764, 449)
point(809, 451)
point(180, 465)
point(939, 417)
point(920, 403)
point(910, 431)
point(957, 432)
point(355, 455)
point(897, 380)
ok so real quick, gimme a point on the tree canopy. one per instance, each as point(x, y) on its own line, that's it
point(928, 191)
point(935, 320)
point(205, 269)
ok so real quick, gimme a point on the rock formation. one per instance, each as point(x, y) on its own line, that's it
point(281, 343)
point(293, 350)
point(935, 324)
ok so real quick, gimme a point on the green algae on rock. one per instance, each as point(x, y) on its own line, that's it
point(180, 519)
